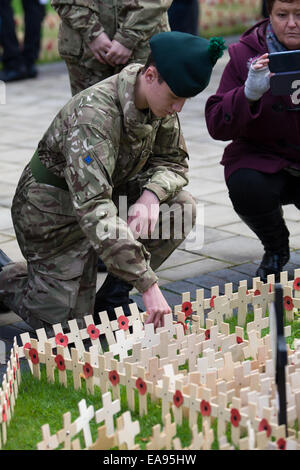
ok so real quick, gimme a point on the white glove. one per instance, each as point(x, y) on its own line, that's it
point(257, 83)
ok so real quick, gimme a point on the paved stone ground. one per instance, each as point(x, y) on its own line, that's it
point(222, 249)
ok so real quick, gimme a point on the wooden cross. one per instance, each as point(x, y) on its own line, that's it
point(127, 430)
point(162, 391)
point(49, 442)
point(110, 408)
point(35, 366)
point(49, 361)
point(69, 430)
point(194, 404)
point(83, 421)
point(57, 328)
point(157, 440)
point(168, 326)
point(104, 441)
point(90, 379)
point(241, 302)
point(76, 368)
point(75, 336)
point(62, 374)
point(89, 321)
point(263, 298)
point(197, 440)
point(151, 338)
point(122, 346)
point(169, 429)
point(106, 328)
point(218, 411)
point(141, 374)
point(259, 322)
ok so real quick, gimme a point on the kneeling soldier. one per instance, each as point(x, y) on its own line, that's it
point(120, 137)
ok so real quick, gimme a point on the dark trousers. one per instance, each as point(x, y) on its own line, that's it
point(253, 192)
point(184, 16)
point(13, 57)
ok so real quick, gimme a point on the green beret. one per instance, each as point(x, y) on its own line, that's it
point(185, 61)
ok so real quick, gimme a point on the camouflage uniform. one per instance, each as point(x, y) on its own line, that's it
point(130, 22)
point(103, 147)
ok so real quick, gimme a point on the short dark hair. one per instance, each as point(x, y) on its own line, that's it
point(270, 4)
point(151, 61)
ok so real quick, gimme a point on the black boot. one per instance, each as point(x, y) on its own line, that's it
point(274, 235)
point(113, 293)
point(4, 260)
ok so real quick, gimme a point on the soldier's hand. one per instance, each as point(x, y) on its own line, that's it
point(100, 46)
point(156, 305)
point(118, 54)
point(143, 215)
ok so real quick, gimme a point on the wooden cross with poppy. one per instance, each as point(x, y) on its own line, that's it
point(143, 387)
point(61, 338)
point(262, 296)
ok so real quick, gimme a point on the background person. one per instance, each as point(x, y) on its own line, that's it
point(262, 163)
point(184, 16)
point(19, 62)
point(97, 39)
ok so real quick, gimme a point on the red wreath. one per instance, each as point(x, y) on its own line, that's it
point(141, 386)
point(235, 417)
point(93, 332)
point(60, 362)
point(88, 370)
point(34, 356)
point(187, 308)
point(177, 398)
point(123, 322)
point(264, 426)
point(205, 408)
point(61, 340)
point(114, 377)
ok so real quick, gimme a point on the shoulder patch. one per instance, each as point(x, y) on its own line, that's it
point(88, 159)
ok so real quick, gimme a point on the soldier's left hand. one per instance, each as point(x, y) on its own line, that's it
point(143, 215)
point(117, 54)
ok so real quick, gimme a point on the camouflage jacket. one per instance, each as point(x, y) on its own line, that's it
point(98, 142)
point(130, 22)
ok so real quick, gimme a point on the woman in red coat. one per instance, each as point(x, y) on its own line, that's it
point(262, 163)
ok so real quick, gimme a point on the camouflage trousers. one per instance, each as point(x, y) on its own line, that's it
point(58, 283)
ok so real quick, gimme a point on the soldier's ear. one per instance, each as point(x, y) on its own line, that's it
point(151, 74)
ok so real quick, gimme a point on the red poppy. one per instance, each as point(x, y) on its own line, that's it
point(14, 372)
point(34, 356)
point(87, 370)
point(93, 332)
point(10, 387)
point(61, 340)
point(205, 408)
point(17, 359)
point(281, 444)
point(187, 308)
point(235, 417)
point(123, 322)
point(212, 303)
point(7, 400)
point(177, 398)
point(27, 346)
point(270, 288)
point(60, 362)
point(257, 292)
point(239, 340)
point(288, 303)
point(141, 386)
point(296, 284)
point(114, 377)
point(207, 334)
point(264, 426)
point(4, 416)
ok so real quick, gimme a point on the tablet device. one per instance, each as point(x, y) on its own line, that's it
point(286, 61)
point(282, 84)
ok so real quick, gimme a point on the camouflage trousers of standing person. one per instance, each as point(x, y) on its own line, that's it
point(59, 281)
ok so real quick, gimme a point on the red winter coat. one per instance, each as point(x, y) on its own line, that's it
point(265, 138)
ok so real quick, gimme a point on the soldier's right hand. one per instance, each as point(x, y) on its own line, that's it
point(156, 305)
point(100, 47)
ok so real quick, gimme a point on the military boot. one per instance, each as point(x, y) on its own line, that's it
point(4, 260)
point(274, 235)
point(113, 293)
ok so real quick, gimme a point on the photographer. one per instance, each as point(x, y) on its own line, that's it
point(262, 163)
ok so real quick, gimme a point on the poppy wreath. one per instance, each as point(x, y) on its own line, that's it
point(205, 408)
point(288, 303)
point(281, 444)
point(60, 362)
point(61, 340)
point(88, 370)
point(212, 301)
point(114, 377)
point(187, 308)
point(34, 356)
point(235, 417)
point(177, 398)
point(141, 386)
point(264, 426)
point(123, 322)
point(93, 332)
point(296, 284)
